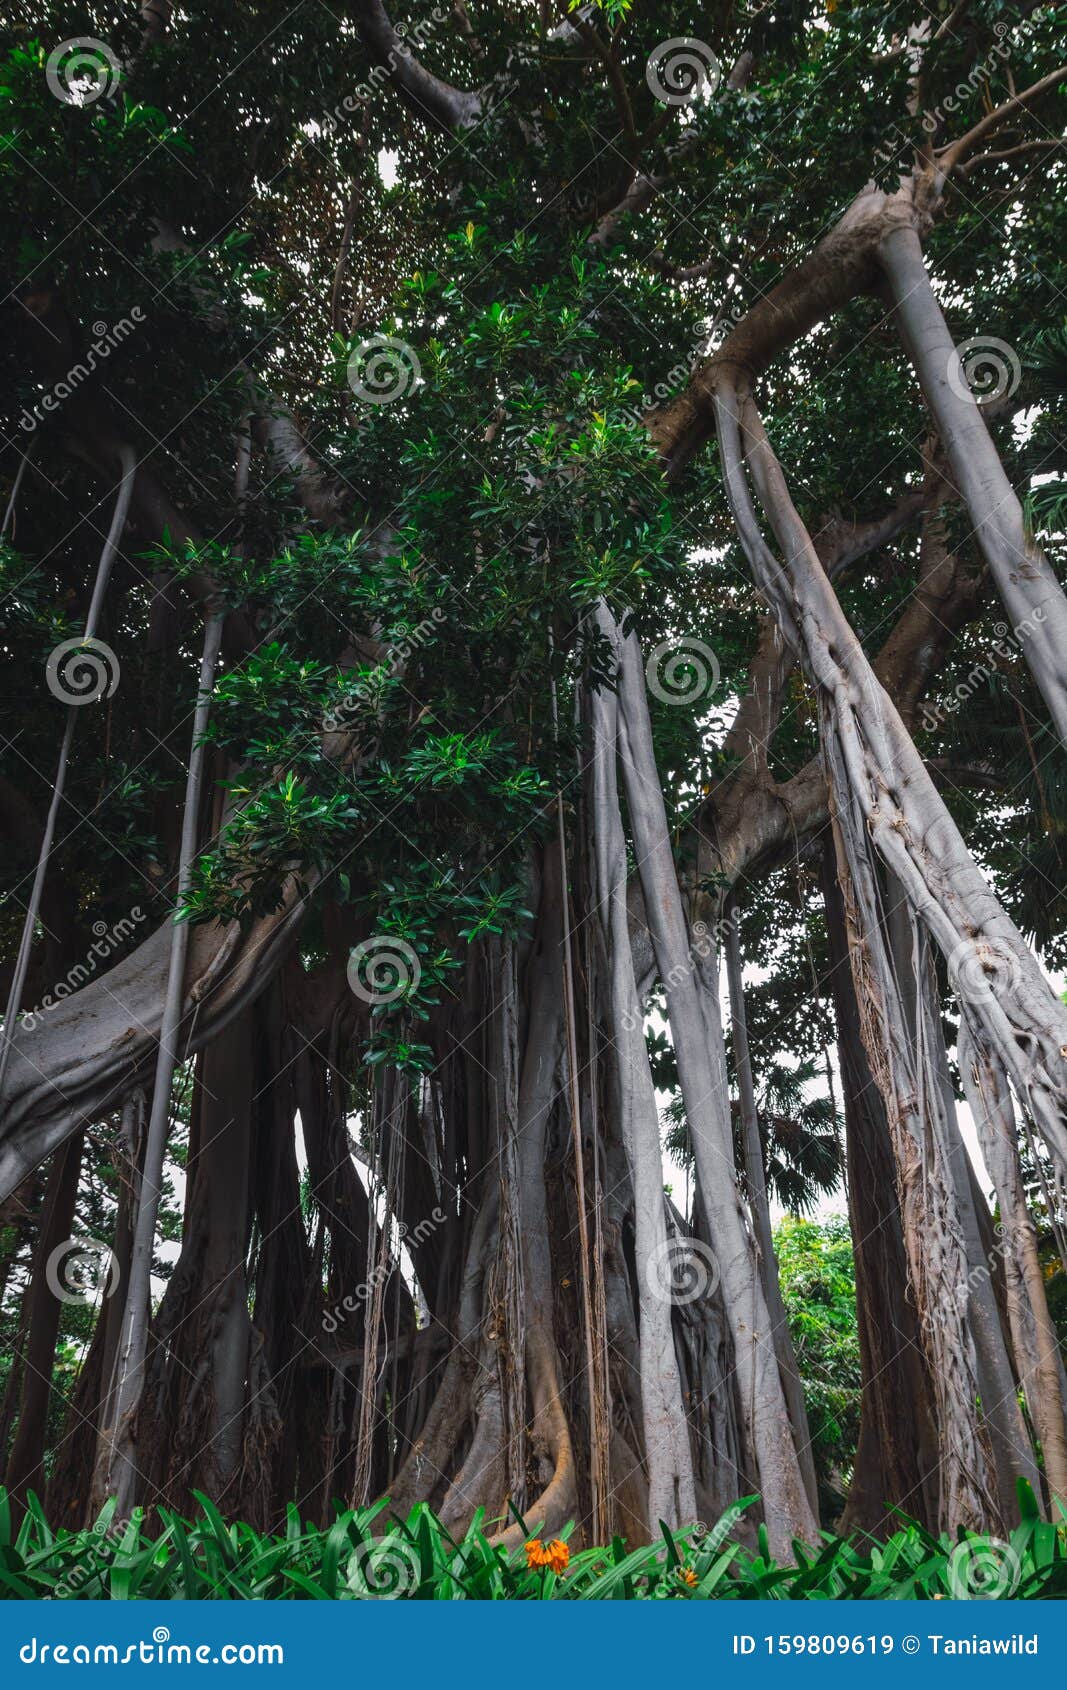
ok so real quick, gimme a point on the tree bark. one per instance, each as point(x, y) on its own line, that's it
point(1034, 1336)
point(1031, 594)
point(881, 783)
point(896, 1456)
point(1000, 1414)
point(671, 1492)
point(698, 1044)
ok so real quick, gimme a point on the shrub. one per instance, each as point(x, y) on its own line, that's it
point(366, 1553)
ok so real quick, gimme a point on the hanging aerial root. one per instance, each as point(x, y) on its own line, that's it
point(668, 1457)
point(886, 780)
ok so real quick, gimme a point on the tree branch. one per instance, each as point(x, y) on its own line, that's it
point(427, 94)
point(1011, 152)
point(949, 157)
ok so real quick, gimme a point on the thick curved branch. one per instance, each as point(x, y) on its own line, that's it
point(425, 93)
point(842, 265)
point(77, 1061)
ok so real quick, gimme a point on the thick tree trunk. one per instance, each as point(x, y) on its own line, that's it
point(1033, 1334)
point(281, 1261)
point(425, 1467)
point(207, 1416)
point(671, 1492)
point(693, 1009)
point(897, 1454)
point(507, 1290)
point(900, 1058)
point(1000, 1411)
point(550, 1438)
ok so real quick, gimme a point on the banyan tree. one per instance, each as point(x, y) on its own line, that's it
point(531, 596)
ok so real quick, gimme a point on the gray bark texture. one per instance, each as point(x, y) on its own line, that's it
point(1031, 594)
point(698, 1041)
point(671, 1493)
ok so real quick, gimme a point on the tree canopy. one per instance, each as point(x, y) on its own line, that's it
point(536, 500)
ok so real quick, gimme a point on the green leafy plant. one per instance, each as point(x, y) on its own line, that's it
point(367, 1553)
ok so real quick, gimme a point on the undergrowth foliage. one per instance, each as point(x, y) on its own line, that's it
point(432, 812)
point(370, 1554)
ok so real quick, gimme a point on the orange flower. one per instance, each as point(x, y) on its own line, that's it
point(555, 1555)
point(688, 1577)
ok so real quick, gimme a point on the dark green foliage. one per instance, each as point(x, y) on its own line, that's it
point(818, 1278)
point(365, 1554)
